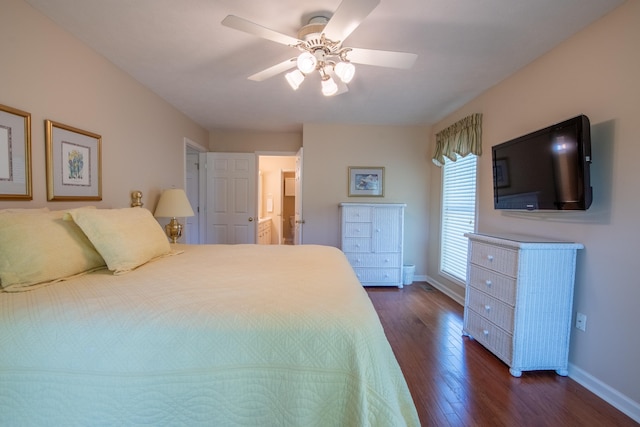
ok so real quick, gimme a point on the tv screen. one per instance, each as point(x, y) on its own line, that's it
point(545, 170)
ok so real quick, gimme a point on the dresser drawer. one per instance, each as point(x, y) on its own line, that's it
point(357, 229)
point(353, 244)
point(378, 275)
point(357, 214)
point(374, 260)
point(492, 283)
point(502, 260)
point(490, 308)
point(489, 335)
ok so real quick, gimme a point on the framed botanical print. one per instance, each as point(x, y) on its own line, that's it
point(74, 163)
point(15, 154)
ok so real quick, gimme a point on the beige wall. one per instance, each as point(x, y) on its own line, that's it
point(50, 74)
point(596, 73)
point(251, 142)
point(328, 152)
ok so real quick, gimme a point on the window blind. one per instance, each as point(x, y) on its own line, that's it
point(458, 214)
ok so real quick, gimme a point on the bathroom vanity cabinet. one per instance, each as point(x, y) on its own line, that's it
point(264, 231)
point(372, 239)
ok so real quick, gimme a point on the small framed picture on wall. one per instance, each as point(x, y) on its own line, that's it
point(366, 181)
point(74, 157)
point(15, 154)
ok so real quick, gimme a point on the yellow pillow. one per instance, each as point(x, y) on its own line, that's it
point(126, 238)
point(39, 248)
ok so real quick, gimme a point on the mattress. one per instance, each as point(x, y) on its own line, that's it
point(220, 335)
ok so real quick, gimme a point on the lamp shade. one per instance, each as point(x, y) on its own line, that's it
point(345, 70)
point(173, 203)
point(295, 78)
point(306, 62)
point(329, 86)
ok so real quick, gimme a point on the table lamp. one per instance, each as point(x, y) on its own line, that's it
point(173, 203)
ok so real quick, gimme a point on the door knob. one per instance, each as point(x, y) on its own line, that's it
point(250, 219)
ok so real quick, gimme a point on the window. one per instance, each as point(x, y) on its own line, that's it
point(458, 214)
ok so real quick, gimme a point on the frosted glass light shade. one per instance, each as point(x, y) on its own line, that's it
point(329, 87)
point(306, 62)
point(295, 79)
point(173, 203)
point(345, 70)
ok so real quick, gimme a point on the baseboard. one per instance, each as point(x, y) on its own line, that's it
point(444, 289)
point(605, 392)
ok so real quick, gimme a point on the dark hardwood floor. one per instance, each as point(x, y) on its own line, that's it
point(457, 382)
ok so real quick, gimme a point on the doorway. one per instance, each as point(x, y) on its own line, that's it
point(276, 197)
point(194, 226)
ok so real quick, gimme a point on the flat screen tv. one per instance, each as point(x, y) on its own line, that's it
point(545, 170)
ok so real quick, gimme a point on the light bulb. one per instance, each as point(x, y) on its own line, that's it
point(345, 70)
point(329, 87)
point(295, 79)
point(306, 62)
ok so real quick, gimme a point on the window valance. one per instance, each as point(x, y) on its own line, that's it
point(462, 138)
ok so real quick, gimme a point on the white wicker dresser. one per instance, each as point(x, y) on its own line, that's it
point(519, 300)
point(372, 239)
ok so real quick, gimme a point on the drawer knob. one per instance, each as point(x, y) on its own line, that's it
point(485, 333)
point(357, 246)
point(490, 257)
point(487, 308)
point(488, 283)
point(386, 260)
point(377, 230)
point(357, 230)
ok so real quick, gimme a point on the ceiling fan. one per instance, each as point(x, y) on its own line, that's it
point(322, 49)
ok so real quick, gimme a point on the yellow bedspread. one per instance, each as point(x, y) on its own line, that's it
point(241, 335)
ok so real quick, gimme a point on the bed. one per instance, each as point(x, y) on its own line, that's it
point(187, 334)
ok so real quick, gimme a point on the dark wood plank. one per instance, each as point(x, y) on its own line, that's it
point(457, 382)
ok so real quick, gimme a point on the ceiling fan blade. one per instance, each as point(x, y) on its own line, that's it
point(347, 17)
point(382, 58)
point(272, 71)
point(246, 26)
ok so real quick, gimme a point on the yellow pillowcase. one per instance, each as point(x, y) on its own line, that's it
point(39, 248)
point(126, 238)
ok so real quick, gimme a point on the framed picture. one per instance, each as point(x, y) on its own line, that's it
point(501, 173)
point(15, 154)
point(366, 181)
point(74, 163)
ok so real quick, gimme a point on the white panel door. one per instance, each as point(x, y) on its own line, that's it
point(231, 198)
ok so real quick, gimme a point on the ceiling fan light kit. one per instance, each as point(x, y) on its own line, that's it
point(321, 44)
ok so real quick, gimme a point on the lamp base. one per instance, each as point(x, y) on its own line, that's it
point(173, 230)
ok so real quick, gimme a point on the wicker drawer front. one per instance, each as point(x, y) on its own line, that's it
point(502, 260)
point(378, 275)
point(373, 260)
point(356, 245)
point(492, 309)
point(357, 214)
point(492, 283)
point(357, 229)
point(489, 335)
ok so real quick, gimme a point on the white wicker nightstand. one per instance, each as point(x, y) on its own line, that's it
point(519, 300)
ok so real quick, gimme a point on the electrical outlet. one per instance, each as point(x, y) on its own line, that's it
point(581, 321)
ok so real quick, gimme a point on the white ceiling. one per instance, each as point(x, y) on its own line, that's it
point(180, 51)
